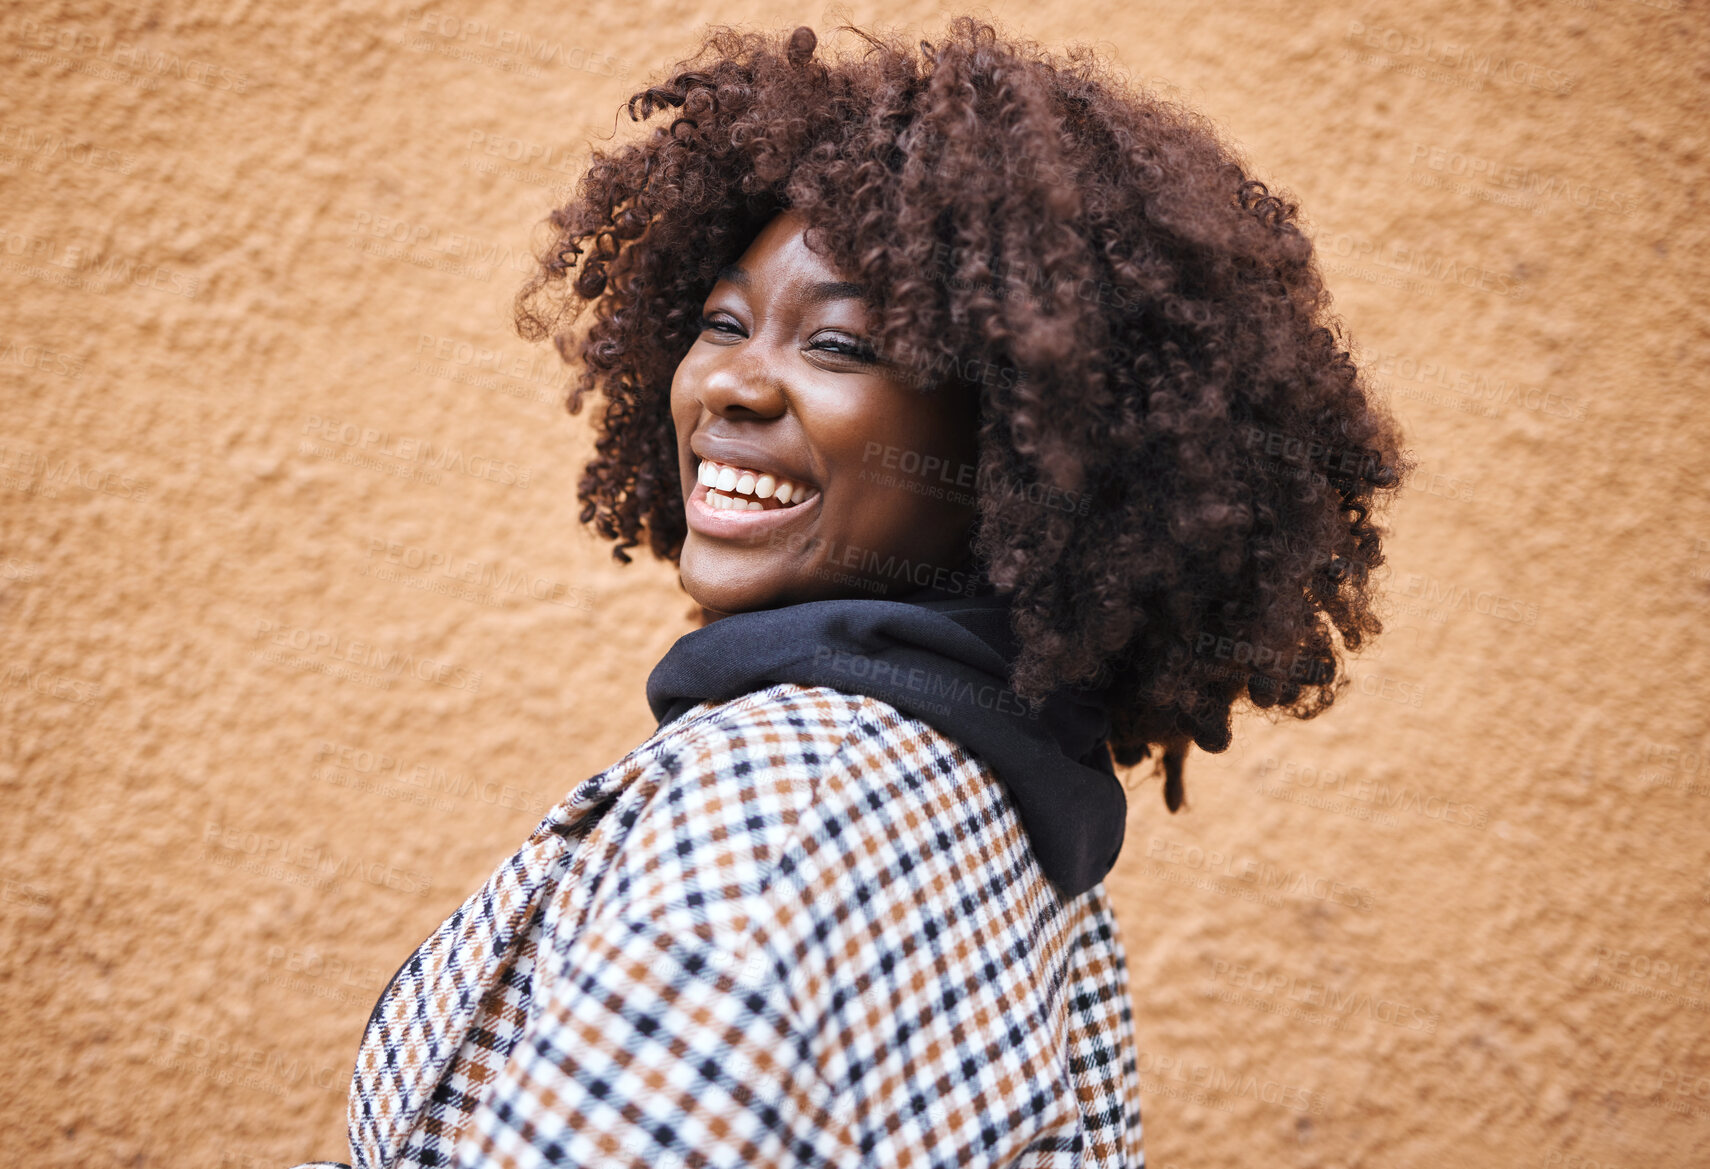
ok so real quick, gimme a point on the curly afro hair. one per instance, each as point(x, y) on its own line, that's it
point(1171, 355)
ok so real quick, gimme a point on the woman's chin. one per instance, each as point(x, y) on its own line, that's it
point(724, 588)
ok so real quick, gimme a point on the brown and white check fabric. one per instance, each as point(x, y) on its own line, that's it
point(797, 928)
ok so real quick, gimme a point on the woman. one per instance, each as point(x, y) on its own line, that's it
point(996, 423)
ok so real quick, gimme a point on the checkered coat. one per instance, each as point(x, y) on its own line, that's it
point(796, 928)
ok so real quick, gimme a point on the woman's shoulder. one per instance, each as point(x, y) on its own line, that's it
point(832, 848)
point(827, 739)
point(789, 724)
point(797, 777)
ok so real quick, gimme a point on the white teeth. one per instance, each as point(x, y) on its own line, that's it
point(725, 483)
point(722, 502)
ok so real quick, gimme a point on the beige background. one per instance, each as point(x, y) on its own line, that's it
point(276, 694)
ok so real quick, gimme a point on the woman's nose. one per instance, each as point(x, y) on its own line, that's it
point(745, 384)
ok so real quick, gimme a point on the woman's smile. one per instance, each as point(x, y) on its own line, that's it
point(740, 481)
point(778, 406)
point(748, 506)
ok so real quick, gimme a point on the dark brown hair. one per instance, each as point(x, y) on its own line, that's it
point(1163, 331)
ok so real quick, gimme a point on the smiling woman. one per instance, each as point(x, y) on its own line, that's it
point(996, 422)
point(781, 387)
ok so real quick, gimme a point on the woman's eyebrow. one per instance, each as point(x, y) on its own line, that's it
point(817, 293)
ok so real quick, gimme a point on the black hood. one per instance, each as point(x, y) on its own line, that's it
point(945, 659)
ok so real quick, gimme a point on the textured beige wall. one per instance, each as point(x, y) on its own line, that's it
point(1462, 919)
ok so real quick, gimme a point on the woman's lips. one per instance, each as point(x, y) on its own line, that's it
point(733, 523)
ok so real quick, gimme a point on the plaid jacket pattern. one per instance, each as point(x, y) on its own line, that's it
point(798, 928)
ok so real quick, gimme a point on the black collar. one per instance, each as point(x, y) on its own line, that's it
point(943, 658)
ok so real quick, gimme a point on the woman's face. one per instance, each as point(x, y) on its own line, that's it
point(780, 397)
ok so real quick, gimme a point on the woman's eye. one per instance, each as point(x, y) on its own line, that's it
point(839, 343)
point(847, 346)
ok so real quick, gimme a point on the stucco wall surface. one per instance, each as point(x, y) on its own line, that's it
point(277, 689)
